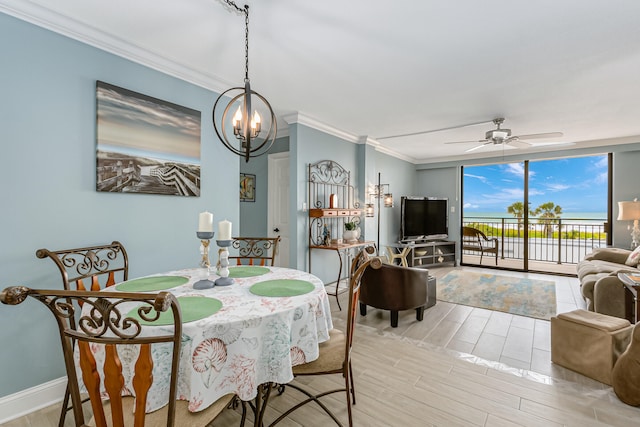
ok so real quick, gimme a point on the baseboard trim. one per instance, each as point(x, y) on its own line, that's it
point(32, 399)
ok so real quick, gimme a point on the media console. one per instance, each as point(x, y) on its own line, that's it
point(431, 253)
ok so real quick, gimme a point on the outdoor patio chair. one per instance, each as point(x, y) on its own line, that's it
point(476, 241)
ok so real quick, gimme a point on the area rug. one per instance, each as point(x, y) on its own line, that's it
point(515, 295)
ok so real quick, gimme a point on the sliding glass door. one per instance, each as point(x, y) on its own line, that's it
point(545, 215)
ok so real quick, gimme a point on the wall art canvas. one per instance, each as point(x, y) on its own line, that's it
point(247, 187)
point(146, 145)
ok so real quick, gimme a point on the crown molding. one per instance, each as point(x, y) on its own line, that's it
point(303, 119)
point(60, 24)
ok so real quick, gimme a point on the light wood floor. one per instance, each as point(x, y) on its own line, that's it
point(460, 366)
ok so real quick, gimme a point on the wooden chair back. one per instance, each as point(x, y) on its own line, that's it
point(101, 266)
point(255, 250)
point(112, 320)
point(358, 267)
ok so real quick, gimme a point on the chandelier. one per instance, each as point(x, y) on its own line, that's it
point(243, 130)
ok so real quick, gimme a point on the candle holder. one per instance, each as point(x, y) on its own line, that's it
point(223, 263)
point(205, 240)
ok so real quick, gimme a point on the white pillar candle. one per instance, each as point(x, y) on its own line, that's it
point(224, 230)
point(205, 222)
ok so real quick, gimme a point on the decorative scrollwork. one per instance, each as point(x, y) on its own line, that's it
point(248, 248)
point(90, 262)
point(14, 295)
point(328, 172)
point(100, 314)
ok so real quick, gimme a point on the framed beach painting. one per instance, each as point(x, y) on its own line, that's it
point(145, 145)
point(247, 187)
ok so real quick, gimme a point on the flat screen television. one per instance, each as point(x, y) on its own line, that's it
point(424, 218)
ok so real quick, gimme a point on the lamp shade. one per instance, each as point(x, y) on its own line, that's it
point(369, 210)
point(628, 211)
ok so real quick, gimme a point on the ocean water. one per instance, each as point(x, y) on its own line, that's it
point(567, 217)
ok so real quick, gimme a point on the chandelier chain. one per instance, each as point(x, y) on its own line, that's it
point(246, 42)
point(244, 11)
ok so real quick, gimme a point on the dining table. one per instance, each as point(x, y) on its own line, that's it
point(235, 338)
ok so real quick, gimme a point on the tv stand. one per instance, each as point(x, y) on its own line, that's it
point(431, 253)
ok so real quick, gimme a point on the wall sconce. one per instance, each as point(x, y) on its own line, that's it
point(630, 211)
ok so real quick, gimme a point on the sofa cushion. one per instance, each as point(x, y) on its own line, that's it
point(634, 258)
point(597, 266)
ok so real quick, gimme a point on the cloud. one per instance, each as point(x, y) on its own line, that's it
point(470, 206)
point(478, 177)
point(602, 178)
point(517, 169)
point(554, 187)
point(602, 162)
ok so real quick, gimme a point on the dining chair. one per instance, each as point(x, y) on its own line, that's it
point(255, 250)
point(113, 320)
point(103, 265)
point(335, 354)
point(100, 266)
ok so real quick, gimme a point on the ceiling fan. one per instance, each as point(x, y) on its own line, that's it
point(503, 136)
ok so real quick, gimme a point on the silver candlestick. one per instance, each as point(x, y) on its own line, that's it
point(223, 263)
point(205, 240)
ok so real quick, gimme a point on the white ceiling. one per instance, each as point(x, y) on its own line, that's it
point(376, 68)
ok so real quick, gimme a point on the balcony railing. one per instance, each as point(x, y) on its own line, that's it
point(559, 240)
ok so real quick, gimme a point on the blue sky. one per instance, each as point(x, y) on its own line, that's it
point(576, 184)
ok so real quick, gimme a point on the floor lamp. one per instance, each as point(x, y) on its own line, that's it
point(382, 194)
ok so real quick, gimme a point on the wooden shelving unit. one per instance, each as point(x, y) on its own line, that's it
point(432, 253)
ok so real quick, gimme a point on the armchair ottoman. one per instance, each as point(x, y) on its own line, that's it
point(397, 288)
point(589, 343)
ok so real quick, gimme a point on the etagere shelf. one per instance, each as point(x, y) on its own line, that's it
point(331, 205)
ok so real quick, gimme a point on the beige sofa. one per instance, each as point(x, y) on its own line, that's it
point(599, 283)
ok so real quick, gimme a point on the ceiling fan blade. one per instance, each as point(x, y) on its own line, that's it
point(541, 135)
point(422, 132)
point(467, 142)
point(477, 146)
point(515, 142)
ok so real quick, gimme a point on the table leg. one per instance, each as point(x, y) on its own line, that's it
point(631, 306)
point(260, 405)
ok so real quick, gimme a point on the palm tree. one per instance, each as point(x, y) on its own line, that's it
point(517, 209)
point(547, 213)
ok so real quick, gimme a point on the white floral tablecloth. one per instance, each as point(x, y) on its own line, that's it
point(251, 340)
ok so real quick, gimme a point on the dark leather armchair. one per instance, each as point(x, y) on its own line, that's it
point(396, 288)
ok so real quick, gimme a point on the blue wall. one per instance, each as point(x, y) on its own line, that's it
point(48, 170)
point(253, 218)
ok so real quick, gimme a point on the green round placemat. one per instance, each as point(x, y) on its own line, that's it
point(154, 283)
point(192, 307)
point(281, 288)
point(247, 271)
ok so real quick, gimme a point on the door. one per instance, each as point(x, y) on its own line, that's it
point(546, 214)
point(278, 204)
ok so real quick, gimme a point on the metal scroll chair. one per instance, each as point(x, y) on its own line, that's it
point(106, 263)
point(335, 354)
point(100, 266)
point(475, 240)
point(107, 321)
point(255, 250)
